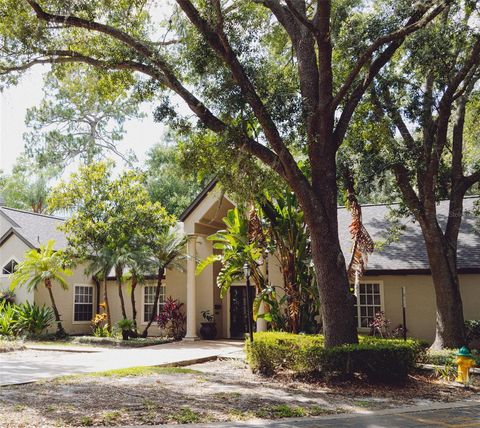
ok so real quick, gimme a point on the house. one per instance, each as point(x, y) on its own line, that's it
point(402, 263)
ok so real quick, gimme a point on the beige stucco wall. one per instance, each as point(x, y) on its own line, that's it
point(14, 248)
point(64, 301)
point(420, 295)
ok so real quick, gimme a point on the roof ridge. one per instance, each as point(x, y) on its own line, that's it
point(32, 213)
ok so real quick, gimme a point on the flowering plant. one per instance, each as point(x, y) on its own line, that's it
point(172, 319)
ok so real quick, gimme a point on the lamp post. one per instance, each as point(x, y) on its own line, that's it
point(246, 271)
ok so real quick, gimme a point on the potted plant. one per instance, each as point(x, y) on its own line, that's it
point(208, 330)
point(126, 326)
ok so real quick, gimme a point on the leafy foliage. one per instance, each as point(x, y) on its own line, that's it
point(172, 319)
point(273, 85)
point(114, 224)
point(7, 296)
point(44, 266)
point(24, 319)
point(380, 360)
point(170, 184)
point(33, 320)
point(472, 333)
point(81, 117)
point(8, 319)
point(28, 185)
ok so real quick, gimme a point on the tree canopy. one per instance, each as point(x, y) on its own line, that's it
point(28, 185)
point(277, 81)
point(81, 116)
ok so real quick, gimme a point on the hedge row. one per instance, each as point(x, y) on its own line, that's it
point(379, 359)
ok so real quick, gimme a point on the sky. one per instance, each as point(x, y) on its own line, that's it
point(141, 134)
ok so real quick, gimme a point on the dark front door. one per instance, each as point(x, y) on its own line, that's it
point(238, 310)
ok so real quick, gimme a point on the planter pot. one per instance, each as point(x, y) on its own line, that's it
point(125, 334)
point(208, 331)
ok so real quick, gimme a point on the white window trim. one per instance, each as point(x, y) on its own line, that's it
point(7, 275)
point(73, 304)
point(382, 301)
point(142, 315)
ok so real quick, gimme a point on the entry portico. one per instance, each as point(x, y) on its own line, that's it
point(200, 220)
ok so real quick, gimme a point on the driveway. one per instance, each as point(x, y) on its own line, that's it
point(35, 364)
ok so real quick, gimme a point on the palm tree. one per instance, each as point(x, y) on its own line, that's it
point(137, 260)
point(99, 265)
point(168, 251)
point(46, 266)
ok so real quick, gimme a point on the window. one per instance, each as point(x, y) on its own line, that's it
point(83, 303)
point(369, 302)
point(149, 299)
point(9, 268)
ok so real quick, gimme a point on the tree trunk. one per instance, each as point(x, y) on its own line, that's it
point(107, 305)
point(449, 330)
point(60, 330)
point(336, 300)
point(291, 290)
point(97, 293)
point(132, 299)
point(119, 274)
point(155, 302)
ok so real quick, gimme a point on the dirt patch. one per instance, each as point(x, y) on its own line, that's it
point(215, 391)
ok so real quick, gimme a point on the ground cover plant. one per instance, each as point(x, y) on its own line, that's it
point(25, 320)
point(217, 391)
point(386, 360)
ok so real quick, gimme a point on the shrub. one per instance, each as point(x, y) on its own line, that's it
point(445, 357)
point(7, 296)
point(8, 319)
point(472, 331)
point(99, 326)
point(32, 319)
point(172, 319)
point(386, 360)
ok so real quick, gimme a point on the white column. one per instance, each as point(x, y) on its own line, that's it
point(261, 323)
point(191, 290)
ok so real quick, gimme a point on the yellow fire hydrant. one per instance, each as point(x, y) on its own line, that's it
point(464, 362)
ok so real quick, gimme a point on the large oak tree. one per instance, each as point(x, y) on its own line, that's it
point(424, 114)
point(269, 78)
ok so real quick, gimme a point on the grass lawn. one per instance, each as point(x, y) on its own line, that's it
point(217, 391)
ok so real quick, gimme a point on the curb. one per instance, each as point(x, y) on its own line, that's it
point(436, 366)
point(287, 421)
point(58, 349)
point(184, 363)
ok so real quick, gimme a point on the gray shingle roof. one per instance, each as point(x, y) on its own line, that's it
point(35, 228)
point(409, 253)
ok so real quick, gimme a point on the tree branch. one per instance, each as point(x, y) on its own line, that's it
point(414, 23)
point(301, 18)
point(219, 43)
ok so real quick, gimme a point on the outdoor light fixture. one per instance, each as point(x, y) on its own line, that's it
point(247, 271)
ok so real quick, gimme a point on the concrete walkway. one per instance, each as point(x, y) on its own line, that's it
point(452, 415)
point(43, 362)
